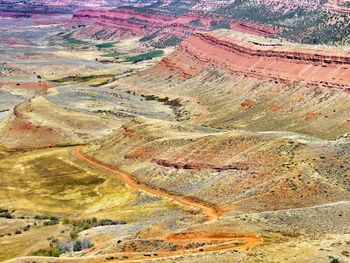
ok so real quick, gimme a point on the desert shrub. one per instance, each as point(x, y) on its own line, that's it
point(170, 42)
point(219, 25)
point(166, 100)
point(41, 217)
point(2, 210)
point(50, 223)
point(108, 222)
point(18, 232)
point(84, 224)
point(6, 215)
point(149, 37)
point(75, 245)
point(57, 248)
point(48, 252)
point(195, 22)
point(73, 235)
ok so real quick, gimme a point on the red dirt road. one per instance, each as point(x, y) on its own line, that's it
point(212, 213)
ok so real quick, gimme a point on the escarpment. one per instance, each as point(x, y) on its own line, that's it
point(109, 24)
point(262, 60)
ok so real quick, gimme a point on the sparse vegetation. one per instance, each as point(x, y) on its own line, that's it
point(171, 41)
point(196, 22)
point(74, 245)
point(105, 45)
point(57, 248)
point(5, 213)
point(145, 56)
point(165, 100)
point(149, 37)
point(71, 41)
point(83, 224)
point(219, 25)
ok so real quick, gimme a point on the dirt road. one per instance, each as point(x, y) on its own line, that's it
point(212, 212)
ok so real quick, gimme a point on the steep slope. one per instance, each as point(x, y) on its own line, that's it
point(256, 83)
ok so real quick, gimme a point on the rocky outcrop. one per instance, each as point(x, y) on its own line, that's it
point(260, 59)
point(201, 166)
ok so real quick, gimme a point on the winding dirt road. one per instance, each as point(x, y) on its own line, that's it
point(212, 212)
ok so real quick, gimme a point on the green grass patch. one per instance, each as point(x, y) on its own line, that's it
point(70, 40)
point(105, 45)
point(145, 56)
point(89, 80)
point(149, 37)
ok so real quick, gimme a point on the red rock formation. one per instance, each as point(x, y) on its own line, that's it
point(277, 62)
point(130, 23)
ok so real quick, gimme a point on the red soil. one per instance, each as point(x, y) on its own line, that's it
point(248, 104)
point(275, 107)
point(40, 86)
point(310, 116)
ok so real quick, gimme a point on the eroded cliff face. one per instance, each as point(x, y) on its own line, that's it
point(271, 61)
point(109, 24)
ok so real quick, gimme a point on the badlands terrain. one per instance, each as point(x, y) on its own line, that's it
point(174, 131)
